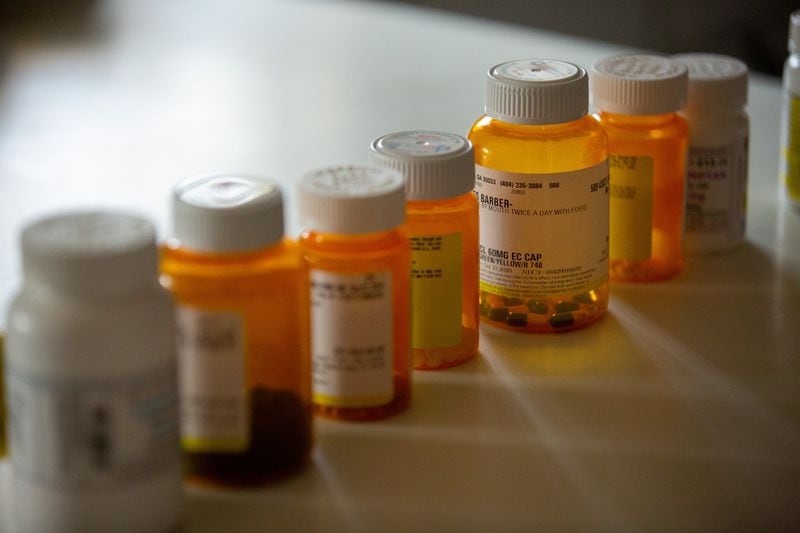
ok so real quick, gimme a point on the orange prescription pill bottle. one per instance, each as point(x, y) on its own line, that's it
point(359, 267)
point(442, 224)
point(541, 178)
point(241, 290)
point(638, 97)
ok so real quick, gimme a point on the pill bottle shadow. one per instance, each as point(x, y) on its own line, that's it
point(588, 351)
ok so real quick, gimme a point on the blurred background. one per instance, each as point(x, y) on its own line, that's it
point(755, 32)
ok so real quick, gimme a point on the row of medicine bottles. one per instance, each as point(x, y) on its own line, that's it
point(389, 274)
point(569, 201)
point(121, 356)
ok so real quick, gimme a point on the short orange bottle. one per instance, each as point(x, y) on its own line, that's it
point(442, 224)
point(242, 307)
point(359, 266)
point(638, 97)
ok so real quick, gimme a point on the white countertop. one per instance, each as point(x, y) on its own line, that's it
point(679, 410)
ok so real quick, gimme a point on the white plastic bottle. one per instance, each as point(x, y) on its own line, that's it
point(790, 134)
point(716, 173)
point(91, 380)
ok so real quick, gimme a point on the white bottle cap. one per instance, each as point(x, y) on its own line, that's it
point(227, 213)
point(90, 252)
point(436, 164)
point(715, 81)
point(537, 91)
point(352, 199)
point(636, 84)
point(791, 70)
point(794, 32)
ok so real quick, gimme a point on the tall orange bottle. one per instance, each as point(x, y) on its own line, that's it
point(359, 266)
point(442, 224)
point(638, 97)
point(241, 290)
point(541, 176)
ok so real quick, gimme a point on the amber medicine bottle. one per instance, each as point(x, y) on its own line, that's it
point(91, 380)
point(442, 225)
point(359, 267)
point(541, 178)
point(790, 131)
point(716, 175)
point(638, 97)
point(242, 307)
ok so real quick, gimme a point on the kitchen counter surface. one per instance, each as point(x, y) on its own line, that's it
point(679, 410)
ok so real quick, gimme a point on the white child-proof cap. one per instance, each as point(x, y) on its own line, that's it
point(90, 252)
point(715, 81)
point(227, 213)
point(537, 91)
point(639, 84)
point(791, 79)
point(352, 199)
point(436, 164)
point(794, 32)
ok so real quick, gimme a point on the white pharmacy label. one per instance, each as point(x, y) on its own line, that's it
point(543, 235)
point(351, 338)
point(93, 436)
point(716, 193)
point(211, 356)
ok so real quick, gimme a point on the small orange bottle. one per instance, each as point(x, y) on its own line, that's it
point(442, 224)
point(242, 307)
point(359, 267)
point(638, 97)
point(541, 176)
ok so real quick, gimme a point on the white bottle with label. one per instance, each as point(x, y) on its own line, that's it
point(790, 131)
point(716, 174)
point(91, 380)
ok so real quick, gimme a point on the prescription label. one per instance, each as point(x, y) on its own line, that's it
point(716, 189)
point(71, 435)
point(436, 281)
point(631, 207)
point(792, 150)
point(211, 357)
point(351, 338)
point(543, 234)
